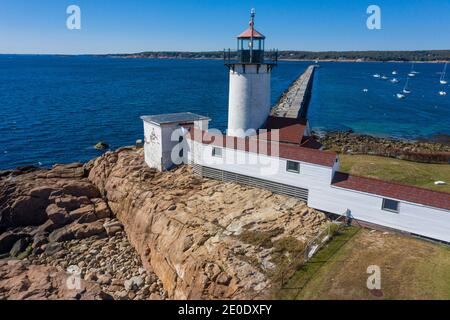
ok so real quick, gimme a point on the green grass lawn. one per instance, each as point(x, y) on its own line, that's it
point(410, 268)
point(407, 172)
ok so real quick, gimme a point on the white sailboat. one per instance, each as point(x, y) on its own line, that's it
point(394, 80)
point(394, 72)
point(376, 75)
point(405, 88)
point(400, 95)
point(412, 73)
point(384, 77)
point(442, 80)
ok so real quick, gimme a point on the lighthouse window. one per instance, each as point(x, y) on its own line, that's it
point(390, 205)
point(217, 152)
point(293, 166)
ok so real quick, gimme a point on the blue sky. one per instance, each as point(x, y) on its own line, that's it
point(113, 26)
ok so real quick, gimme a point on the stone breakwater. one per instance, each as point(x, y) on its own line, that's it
point(352, 143)
point(294, 102)
point(136, 233)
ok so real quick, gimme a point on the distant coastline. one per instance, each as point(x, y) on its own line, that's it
point(286, 60)
point(422, 56)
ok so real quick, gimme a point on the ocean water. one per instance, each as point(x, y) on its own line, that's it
point(53, 109)
point(338, 101)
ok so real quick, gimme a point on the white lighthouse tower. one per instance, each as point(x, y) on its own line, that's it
point(249, 97)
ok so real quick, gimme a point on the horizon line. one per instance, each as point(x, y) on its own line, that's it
point(216, 51)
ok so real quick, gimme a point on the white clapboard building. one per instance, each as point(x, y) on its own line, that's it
point(278, 154)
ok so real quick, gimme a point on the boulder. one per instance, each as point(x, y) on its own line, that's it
point(86, 230)
point(101, 209)
point(134, 283)
point(71, 203)
point(28, 211)
point(52, 248)
point(81, 188)
point(47, 227)
point(88, 214)
point(101, 145)
point(155, 296)
point(81, 212)
point(62, 234)
point(66, 171)
point(39, 240)
point(77, 231)
point(42, 192)
point(57, 215)
point(104, 279)
point(122, 295)
point(19, 247)
point(223, 279)
point(8, 239)
point(112, 227)
point(25, 169)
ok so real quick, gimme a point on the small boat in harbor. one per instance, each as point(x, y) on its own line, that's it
point(394, 73)
point(442, 80)
point(406, 90)
point(412, 73)
point(365, 90)
point(400, 95)
point(394, 80)
point(376, 75)
point(442, 93)
point(384, 77)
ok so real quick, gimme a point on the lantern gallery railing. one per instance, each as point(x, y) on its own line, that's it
point(250, 57)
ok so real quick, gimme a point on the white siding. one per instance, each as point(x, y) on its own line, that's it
point(264, 167)
point(413, 218)
point(152, 145)
point(158, 145)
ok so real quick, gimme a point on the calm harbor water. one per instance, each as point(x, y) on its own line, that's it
point(53, 109)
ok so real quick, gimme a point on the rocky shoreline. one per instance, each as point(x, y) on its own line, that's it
point(131, 232)
point(54, 220)
point(348, 142)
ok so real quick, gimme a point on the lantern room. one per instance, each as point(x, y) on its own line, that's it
point(250, 44)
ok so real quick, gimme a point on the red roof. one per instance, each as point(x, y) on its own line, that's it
point(248, 34)
point(393, 190)
point(290, 130)
point(286, 151)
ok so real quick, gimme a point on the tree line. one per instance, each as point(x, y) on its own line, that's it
point(422, 55)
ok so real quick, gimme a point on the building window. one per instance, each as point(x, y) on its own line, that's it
point(217, 152)
point(390, 205)
point(293, 166)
